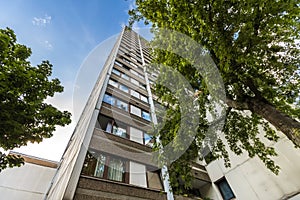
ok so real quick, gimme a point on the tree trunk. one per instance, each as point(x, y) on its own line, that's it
point(282, 122)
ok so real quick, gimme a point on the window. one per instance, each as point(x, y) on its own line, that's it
point(135, 110)
point(134, 72)
point(141, 76)
point(113, 127)
point(124, 59)
point(116, 169)
point(99, 170)
point(143, 98)
point(117, 72)
point(124, 88)
point(115, 102)
point(109, 99)
point(134, 81)
point(142, 86)
point(119, 64)
point(133, 59)
point(135, 94)
point(125, 77)
point(132, 64)
point(113, 83)
point(119, 130)
point(154, 179)
point(148, 139)
point(105, 166)
point(146, 115)
point(225, 189)
point(118, 85)
point(122, 105)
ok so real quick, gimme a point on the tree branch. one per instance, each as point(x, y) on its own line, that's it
point(237, 105)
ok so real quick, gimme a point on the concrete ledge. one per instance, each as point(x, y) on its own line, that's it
point(98, 189)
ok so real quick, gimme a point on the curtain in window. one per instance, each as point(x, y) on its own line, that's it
point(108, 127)
point(99, 170)
point(115, 170)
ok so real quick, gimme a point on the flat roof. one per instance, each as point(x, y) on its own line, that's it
point(36, 160)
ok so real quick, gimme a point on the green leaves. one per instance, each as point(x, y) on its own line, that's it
point(10, 160)
point(25, 117)
point(254, 45)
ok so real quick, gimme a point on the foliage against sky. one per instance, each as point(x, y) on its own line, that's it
point(25, 117)
point(255, 45)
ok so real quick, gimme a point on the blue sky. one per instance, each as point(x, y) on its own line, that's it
point(66, 33)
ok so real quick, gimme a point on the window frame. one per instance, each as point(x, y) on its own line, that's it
point(224, 181)
point(144, 111)
point(144, 139)
point(135, 107)
point(116, 72)
point(105, 173)
point(115, 102)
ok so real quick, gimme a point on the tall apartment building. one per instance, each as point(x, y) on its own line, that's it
point(109, 154)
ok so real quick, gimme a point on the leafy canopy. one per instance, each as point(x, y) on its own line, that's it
point(255, 45)
point(25, 117)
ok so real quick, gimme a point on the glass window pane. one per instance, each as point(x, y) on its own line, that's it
point(225, 190)
point(120, 64)
point(119, 131)
point(134, 72)
point(143, 98)
point(135, 110)
point(99, 170)
point(113, 83)
point(117, 72)
point(133, 59)
point(122, 105)
point(146, 116)
point(142, 86)
point(124, 59)
point(135, 94)
point(125, 77)
point(134, 81)
point(141, 76)
point(124, 88)
point(147, 139)
point(132, 64)
point(109, 99)
point(116, 169)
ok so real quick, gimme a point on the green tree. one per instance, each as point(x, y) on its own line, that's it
point(24, 116)
point(254, 46)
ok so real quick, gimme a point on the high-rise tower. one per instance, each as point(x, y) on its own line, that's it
point(109, 154)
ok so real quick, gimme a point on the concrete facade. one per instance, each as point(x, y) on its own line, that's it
point(28, 182)
point(250, 179)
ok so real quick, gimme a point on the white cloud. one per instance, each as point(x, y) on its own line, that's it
point(41, 21)
point(48, 45)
